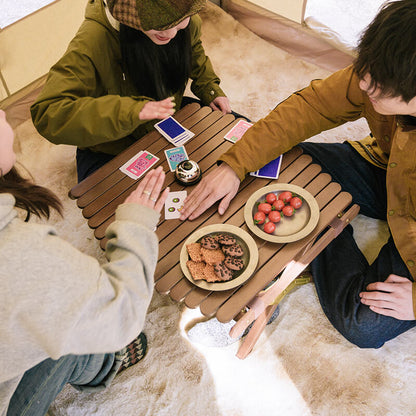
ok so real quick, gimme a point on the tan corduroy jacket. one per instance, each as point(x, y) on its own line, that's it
point(328, 103)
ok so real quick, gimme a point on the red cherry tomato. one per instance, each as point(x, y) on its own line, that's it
point(278, 205)
point(285, 196)
point(288, 211)
point(269, 227)
point(264, 207)
point(259, 217)
point(271, 197)
point(274, 216)
point(296, 202)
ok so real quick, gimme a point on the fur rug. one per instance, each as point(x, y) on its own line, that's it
point(300, 365)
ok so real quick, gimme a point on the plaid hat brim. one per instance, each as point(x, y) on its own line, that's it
point(153, 14)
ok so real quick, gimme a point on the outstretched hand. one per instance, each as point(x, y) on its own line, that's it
point(148, 191)
point(393, 297)
point(158, 109)
point(221, 183)
point(221, 104)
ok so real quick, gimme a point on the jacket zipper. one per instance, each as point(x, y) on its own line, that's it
point(371, 156)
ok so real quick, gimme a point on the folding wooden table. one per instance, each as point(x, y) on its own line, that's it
point(100, 194)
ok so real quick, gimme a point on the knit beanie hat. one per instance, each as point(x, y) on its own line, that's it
point(153, 14)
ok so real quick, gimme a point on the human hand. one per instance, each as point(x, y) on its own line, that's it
point(158, 109)
point(221, 183)
point(148, 190)
point(221, 104)
point(393, 297)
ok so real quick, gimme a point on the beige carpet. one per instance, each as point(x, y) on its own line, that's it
point(301, 365)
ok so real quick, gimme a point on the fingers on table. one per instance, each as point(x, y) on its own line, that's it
point(160, 202)
point(152, 183)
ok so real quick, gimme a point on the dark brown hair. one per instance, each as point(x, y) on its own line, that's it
point(387, 50)
point(157, 71)
point(32, 198)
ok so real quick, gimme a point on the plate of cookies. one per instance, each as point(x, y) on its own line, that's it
point(281, 213)
point(219, 257)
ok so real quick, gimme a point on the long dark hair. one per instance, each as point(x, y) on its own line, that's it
point(33, 199)
point(157, 71)
point(387, 50)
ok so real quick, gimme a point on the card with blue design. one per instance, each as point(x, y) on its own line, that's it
point(270, 171)
point(175, 155)
point(173, 131)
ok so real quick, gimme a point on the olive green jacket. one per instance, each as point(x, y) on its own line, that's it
point(329, 103)
point(87, 100)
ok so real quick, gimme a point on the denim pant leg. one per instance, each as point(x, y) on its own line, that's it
point(364, 181)
point(341, 271)
point(41, 384)
point(88, 162)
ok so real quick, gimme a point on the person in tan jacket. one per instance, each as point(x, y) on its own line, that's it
point(367, 304)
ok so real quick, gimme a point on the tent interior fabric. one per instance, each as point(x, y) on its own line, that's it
point(301, 366)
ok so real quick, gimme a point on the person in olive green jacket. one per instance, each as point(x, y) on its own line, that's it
point(367, 304)
point(125, 69)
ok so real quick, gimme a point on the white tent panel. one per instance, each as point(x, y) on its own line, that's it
point(291, 9)
point(29, 47)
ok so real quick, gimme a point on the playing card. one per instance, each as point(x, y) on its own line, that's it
point(139, 164)
point(174, 204)
point(173, 131)
point(175, 156)
point(237, 131)
point(271, 170)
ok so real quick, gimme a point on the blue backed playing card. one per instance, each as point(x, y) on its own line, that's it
point(271, 170)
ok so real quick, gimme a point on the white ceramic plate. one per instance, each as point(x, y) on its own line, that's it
point(250, 257)
point(289, 229)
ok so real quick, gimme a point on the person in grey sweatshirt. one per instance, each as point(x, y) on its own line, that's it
point(64, 317)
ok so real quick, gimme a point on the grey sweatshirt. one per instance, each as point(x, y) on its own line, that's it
point(55, 300)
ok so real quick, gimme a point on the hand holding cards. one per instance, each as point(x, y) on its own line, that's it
point(173, 131)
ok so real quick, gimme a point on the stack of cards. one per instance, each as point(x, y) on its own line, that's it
point(271, 170)
point(175, 156)
point(139, 164)
point(237, 131)
point(173, 131)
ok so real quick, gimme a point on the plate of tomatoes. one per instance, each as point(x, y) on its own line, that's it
point(281, 213)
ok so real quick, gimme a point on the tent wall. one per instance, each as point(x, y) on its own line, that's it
point(309, 40)
point(30, 46)
point(290, 9)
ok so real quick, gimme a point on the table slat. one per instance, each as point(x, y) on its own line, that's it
point(120, 159)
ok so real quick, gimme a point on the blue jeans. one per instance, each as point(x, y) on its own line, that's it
point(41, 384)
point(341, 271)
point(88, 161)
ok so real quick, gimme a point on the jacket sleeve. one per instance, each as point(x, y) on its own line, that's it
point(88, 307)
point(323, 105)
point(205, 83)
point(77, 106)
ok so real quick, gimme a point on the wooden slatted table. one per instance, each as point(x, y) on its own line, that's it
point(100, 194)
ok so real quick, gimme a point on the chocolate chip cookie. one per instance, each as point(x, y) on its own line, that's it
point(234, 250)
point(209, 242)
point(223, 272)
point(234, 263)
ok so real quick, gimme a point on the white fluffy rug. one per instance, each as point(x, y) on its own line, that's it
point(300, 365)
